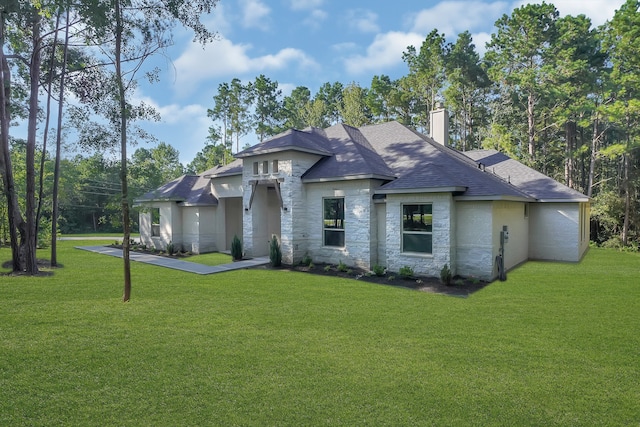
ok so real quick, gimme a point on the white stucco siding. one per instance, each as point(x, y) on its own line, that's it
point(475, 250)
point(443, 238)
point(198, 224)
point(514, 216)
point(359, 228)
point(228, 186)
point(555, 232)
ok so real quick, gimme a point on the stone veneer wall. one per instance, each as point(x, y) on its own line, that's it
point(443, 236)
point(360, 225)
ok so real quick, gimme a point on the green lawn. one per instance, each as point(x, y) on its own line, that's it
point(557, 344)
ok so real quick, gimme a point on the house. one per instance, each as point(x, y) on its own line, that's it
point(376, 195)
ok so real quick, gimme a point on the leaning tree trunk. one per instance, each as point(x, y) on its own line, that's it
point(531, 126)
point(594, 154)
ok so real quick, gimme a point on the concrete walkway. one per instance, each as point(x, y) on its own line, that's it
point(176, 264)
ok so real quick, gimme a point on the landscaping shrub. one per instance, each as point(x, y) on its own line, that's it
point(236, 248)
point(306, 260)
point(445, 275)
point(379, 270)
point(342, 266)
point(406, 272)
point(171, 248)
point(275, 254)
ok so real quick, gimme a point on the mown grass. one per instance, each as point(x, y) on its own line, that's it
point(557, 344)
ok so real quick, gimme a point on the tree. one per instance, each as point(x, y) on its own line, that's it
point(624, 49)
point(426, 74)
point(467, 89)
point(379, 98)
point(520, 58)
point(330, 94)
point(267, 114)
point(293, 107)
point(354, 108)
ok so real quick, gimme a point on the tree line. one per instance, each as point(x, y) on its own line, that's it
point(554, 92)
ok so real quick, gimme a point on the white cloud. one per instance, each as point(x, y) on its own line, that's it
point(598, 10)
point(481, 40)
point(223, 59)
point(385, 52)
point(364, 21)
point(305, 4)
point(315, 19)
point(455, 17)
point(255, 14)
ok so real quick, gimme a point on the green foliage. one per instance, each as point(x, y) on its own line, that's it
point(327, 268)
point(306, 260)
point(406, 272)
point(342, 266)
point(379, 270)
point(445, 275)
point(236, 248)
point(171, 248)
point(275, 253)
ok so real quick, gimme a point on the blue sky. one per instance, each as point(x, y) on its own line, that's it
point(307, 43)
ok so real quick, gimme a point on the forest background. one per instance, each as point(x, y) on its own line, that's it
point(554, 92)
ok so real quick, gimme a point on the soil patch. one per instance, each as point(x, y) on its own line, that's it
point(460, 287)
point(44, 267)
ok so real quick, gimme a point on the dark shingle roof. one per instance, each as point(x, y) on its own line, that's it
point(189, 190)
point(421, 163)
point(233, 168)
point(530, 181)
point(353, 157)
point(293, 139)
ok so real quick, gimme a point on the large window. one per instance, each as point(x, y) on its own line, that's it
point(333, 222)
point(417, 228)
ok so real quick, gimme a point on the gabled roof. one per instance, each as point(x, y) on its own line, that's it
point(233, 168)
point(530, 181)
point(423, 165)
point(293, 139)
point(188, 190)
point(353, 157)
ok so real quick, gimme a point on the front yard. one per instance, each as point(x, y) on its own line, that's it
point(557, 344)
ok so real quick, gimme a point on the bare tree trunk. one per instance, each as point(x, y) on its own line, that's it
point(16, 224)
point(56, 169)
point(532, 126)
point(626, 164)
point(570, 137)
point(594, 154)
point(123, 149)
point(31, 237)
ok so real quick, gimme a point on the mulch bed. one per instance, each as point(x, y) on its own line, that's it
point(460, 287)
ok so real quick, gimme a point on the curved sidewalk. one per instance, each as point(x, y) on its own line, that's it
point(176, 264)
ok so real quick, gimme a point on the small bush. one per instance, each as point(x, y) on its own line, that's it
point(406, 272)
point(327, 268)
point(236, 248)
point(391, 278)
point(311, 266)
point(306, 260)
point(379, 270)
point(171, 248)
point(445, 275)
point(342, 267)
point(275, 254)
point(349, 272)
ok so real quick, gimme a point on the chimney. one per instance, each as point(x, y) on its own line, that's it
point(439, 124)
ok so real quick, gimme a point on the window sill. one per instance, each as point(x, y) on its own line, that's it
point(417, 254)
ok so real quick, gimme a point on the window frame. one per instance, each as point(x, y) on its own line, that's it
point(275, 167)
point(404, 232)
point(154, 213)
point(265, 167)
point(341, 218)
point(255, 168)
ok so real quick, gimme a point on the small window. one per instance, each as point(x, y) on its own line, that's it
point(155, 222)
point(417, 228)
point(274, 167)
point(333, 222)
point(526, 210)
point(265, 167)
point(255, 168)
